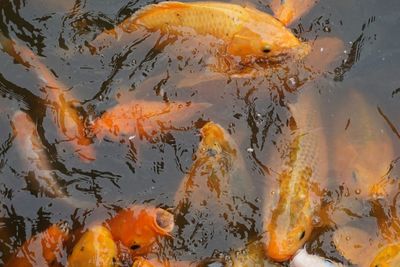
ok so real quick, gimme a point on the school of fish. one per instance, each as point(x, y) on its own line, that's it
point(242, 37)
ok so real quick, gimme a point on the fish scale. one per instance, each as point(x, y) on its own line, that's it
point(214, 18)
point(291, 222)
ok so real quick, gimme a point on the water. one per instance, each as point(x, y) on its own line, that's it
point(148, 168)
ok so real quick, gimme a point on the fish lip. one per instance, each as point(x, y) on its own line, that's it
point(274, 252)
point(164, 221)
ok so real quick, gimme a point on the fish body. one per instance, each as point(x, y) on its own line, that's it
point(290, 223)
point(32, 149)
point(243, 31)
point(96, 248)
point(132, 231)
point(206, 195)
point(143, 117)
point(387, 256)
point(142, 262)
point(363, 148)
point(69, 122)
point(303, 259)
point(209, 177)
point(356, 245)
point(136, 228)
point(43, 249)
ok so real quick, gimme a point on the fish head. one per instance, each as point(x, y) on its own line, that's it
point(215, 140)
point(286, 239)
point(135, 229)
point(265, 38)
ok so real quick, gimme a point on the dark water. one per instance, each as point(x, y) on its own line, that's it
point(149, 169)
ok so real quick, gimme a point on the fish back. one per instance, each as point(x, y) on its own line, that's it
point(217, 19)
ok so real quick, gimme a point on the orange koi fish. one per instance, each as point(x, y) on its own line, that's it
point(44, 249)
point(363, 148)
point(131, 231)
point(68, 120)
point(242, 32)
point(142, 117)
point(208, 192)
point(290, 224)
point(136, 228)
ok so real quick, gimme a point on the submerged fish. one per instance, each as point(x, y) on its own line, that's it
point(143, 117)
point(363, 148)
point(96, 248)
point(207, 194)
point(356, 245)
point(303, 259)
point(242, 32)
point(43, 249)
point(387, 256)
point(32, 149)
point(131, 232)
point(136, 228)
point(142, 262)
point(67, 118)
point(290, 223)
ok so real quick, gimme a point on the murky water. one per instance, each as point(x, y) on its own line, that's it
point(358, 95)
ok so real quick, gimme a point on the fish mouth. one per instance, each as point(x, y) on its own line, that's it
point(164, 221)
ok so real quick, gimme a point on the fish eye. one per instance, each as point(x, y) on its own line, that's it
point(303, 234)
point(135, 247)
point(266, 49)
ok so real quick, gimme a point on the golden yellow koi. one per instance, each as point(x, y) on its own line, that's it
point(96, 248)
point(244, 32)
point(363, 148)
point(388, 256)
point(290, 224)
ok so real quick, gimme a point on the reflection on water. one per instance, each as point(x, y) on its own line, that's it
point(162, 87)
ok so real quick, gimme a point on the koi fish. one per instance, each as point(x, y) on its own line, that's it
point(96, 248)
point(69, 122)
point(290, 224)
point(243, 32)
point(363, 148)
point(136, 228)
point(207, 192)
point(31, 147)
point(387, 256)
point(303, 259)
point(355, 245)
point(142, 262)
point(43, 249)
point(142, 117)
point(132, 231)
point(217, 158)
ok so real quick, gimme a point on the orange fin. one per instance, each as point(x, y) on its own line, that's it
point(287, 11)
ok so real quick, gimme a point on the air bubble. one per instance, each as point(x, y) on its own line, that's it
point(327, 29)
